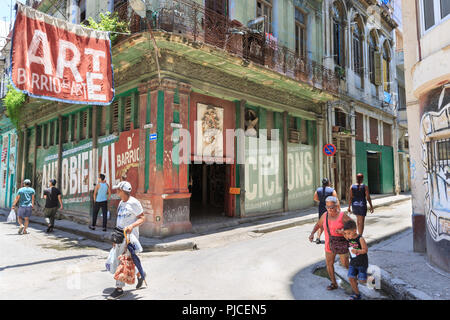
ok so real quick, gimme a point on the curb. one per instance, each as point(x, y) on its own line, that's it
point(313, 218)
point(158, 247)
point(397, 288)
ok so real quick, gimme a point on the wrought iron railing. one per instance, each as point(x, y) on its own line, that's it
point(203, 25)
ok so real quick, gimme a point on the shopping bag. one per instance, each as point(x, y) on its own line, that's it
point(113, 260)
point(11, 216)
point(126, 270)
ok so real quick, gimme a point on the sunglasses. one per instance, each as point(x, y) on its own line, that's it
point(331, 207)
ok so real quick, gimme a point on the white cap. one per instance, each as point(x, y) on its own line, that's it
point(123, 185)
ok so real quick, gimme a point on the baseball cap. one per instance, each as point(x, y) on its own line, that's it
point(27, 181)
point(123, 185)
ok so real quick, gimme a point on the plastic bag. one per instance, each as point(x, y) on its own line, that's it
point(137, 245)
point(113, 260)
point(11, 216)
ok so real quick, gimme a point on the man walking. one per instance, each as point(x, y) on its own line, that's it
point(25, 198)
point(52, 197)
point(102, 193)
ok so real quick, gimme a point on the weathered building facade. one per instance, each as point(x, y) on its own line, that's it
point(359, 45)
point(427, 76)
point(222, 110)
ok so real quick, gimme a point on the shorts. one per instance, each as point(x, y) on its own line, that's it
point(24, 212)
point(359, 271)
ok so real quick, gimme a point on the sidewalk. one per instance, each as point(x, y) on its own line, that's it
point(217, 233)
point(407, 274)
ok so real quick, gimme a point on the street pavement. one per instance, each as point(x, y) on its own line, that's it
point(275, 265)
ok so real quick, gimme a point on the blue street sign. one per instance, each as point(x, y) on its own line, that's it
point(153, 136)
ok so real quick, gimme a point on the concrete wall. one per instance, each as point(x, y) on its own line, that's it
point(427, 73)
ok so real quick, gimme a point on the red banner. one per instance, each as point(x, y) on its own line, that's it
point(56, 60)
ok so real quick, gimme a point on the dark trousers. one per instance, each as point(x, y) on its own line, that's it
point(97, 206)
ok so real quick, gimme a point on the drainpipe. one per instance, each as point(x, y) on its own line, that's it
point(418, 29)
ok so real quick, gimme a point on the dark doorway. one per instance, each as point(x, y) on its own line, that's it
point(374, 172)
point(208, 185)
point(216, 17)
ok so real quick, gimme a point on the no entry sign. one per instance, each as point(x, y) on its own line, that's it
point(329, 150)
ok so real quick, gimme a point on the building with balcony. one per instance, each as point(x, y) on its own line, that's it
point(427, 78)
point(222, 110)
point(359, 45)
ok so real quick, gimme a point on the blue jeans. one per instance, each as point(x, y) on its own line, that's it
point(354, 271)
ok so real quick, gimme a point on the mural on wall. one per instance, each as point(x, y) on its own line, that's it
point(435, 138)
point(209, 131)
point(118, 159)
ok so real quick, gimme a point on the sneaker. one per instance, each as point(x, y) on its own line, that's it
point(49, 228)
point(25, 232)
point(104, 229)
point(116, 294)
point(140, 282)
point(92, 227)
point(318, 241)
point(21, 229)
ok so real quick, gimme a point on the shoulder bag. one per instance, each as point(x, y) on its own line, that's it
point(338, 245)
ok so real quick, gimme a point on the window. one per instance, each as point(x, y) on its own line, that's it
point(338, 35)
point(386, 67)
point(300, 33)
point(373, 124)
point(103, 120)
point(358, 64)
point(115, 116)
point(82, 5)
point(434, 12)
point(127, 114)
point(372, 49)
point(359, 124)
point(340, 119)
point(401, 98)
point(303, 132)
point(84, 124)
point(387, 134)
point(264, 8)
point(38, 135)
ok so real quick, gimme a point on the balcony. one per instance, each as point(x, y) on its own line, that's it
point(202, 25)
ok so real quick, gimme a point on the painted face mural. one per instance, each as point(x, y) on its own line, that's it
point(435, 136)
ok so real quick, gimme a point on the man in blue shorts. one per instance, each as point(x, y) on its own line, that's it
point(25, 198)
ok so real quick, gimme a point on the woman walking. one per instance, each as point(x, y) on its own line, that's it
point(335, 243)
point(359, 196)
point(319, 196)
point(130, 215)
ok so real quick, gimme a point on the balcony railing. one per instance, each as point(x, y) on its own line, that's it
point(203, 25)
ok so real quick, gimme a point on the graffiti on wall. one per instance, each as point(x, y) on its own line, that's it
point(435, 138)
point(118, 159)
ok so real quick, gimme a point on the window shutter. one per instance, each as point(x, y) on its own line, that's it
point(377, 65)
point(115, 116)
point(127, 115)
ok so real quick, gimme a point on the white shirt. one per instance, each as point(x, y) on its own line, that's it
point(127, 213)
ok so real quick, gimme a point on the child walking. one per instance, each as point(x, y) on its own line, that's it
point(359, 260)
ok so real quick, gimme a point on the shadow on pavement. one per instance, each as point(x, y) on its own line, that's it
point(44, 261)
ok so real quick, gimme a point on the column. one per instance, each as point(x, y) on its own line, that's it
point(353, 141)
point(144, 118)
point(184, 92)
point(285, 162)
point(169, 91)
point(320, 144)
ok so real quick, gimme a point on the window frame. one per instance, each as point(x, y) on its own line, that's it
point(358, 66)
point(371, 56)
point(437, 16)
point(269, 4)
point(301, 27)
point(338, 58)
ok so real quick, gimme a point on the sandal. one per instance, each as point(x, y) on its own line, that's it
point(332, 286)
point(318, 241)
point(355, 297)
